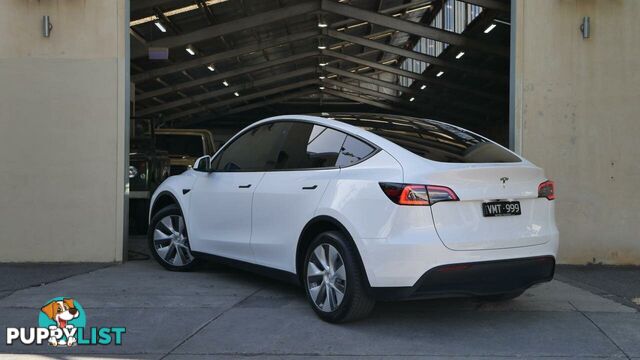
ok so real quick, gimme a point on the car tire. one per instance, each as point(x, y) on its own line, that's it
point(168, 240)
point(336, 286)
point(502, 297)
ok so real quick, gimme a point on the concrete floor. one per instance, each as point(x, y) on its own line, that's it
point(224, 313)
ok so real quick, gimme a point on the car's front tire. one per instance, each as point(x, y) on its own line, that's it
point(168, 240)
point(334, 281)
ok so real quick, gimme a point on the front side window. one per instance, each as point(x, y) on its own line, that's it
point(255, 150)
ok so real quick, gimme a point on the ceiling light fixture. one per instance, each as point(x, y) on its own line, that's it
point(322, 22)
point(412, 99)
point(357, 25)
point(418, 9)
point(225, 83)
point(160, 26)
point(460, 54)
point(236, 93)
point(423, 87)
point(190, 49)
point(321, 88)
point(321, 77)
point(321, 44)
point(380, 36)
point(488, 30)
point(440, 73)
point(211, 67)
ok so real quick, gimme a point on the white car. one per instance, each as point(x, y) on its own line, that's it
point(363, 207)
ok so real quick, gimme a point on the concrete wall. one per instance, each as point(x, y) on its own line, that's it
point(62, 130)
point(577, 114)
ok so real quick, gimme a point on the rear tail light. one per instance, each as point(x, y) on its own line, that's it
point(421, 195)
point(547, 190)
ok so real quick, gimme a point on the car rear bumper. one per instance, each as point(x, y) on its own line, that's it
point(474, 279)
point(402, 258)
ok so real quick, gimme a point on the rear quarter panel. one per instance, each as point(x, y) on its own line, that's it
point(355, 198)
point(393, 241)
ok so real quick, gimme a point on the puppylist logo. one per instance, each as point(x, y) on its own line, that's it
point(62, 323)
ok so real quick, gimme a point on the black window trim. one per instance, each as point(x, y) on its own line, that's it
point(376, 149)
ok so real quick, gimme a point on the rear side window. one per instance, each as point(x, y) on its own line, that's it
point(255, 150)
point(310, 146)
point(353, 151)
point(431, 139)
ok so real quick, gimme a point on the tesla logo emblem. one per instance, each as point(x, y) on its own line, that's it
point(504, 180)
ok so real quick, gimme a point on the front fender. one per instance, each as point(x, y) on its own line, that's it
point(179, 187)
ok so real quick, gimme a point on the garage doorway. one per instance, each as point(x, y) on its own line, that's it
point(201, 70)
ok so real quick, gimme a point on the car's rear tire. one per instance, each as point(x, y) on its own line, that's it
point(168, 240)
point(334, 280)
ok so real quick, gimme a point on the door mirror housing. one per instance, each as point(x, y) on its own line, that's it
point(203, 164)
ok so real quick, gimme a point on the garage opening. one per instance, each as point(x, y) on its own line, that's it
point(201, 70)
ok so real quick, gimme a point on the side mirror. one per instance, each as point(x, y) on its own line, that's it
point(203, 164)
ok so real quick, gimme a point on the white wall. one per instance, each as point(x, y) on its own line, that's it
point(62, 130)
point(577, 113)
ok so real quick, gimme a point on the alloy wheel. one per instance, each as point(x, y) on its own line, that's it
point(326, 277)
point(170, 241)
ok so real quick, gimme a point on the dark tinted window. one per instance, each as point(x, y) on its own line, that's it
point(255, 150)
point(353, 151)
point(309, 146)
point(180, 145)
point(431, 139)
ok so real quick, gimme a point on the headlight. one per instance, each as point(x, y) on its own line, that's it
point(132, 171)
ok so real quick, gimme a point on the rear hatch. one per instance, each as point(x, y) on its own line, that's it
point(462, 225)
point(478, 170)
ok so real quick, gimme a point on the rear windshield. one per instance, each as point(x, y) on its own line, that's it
point(431, 139)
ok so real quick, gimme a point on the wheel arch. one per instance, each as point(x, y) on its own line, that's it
point(316, 226)
point(162, 200)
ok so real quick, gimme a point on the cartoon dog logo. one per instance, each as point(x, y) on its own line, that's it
point(61, 311)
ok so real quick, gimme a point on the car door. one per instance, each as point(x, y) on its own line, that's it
point(287, 197)
point(220, 207)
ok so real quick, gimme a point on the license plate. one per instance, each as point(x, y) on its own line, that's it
point(501, 208)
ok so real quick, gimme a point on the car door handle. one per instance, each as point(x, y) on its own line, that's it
point(244, 186)
point(310, 187)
